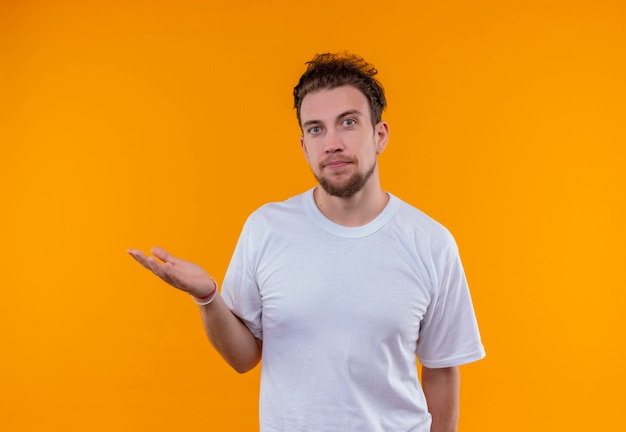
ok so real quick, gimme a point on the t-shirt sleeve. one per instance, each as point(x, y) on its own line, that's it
point(240, 290)
point(449, 334)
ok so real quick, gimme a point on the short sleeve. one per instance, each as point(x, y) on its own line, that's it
point(240, 289)
point(449, 334)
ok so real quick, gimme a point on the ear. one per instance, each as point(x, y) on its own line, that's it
point(382, 135)
point(303, 147)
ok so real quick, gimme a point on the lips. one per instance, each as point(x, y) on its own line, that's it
point(336, 163)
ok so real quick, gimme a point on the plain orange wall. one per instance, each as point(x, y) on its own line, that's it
point(134, 123)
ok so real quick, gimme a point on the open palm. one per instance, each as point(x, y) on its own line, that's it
point(181, 274)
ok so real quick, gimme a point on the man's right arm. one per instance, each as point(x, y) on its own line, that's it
point(230, 337)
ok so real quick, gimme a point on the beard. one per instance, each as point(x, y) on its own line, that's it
point(348, 189)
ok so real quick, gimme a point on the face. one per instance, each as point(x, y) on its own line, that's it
point(339, 141)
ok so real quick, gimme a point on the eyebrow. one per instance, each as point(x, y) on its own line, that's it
point(342, 115)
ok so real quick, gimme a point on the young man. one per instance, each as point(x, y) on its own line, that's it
point(339, 288)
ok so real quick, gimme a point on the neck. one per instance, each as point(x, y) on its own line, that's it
point(357, 210)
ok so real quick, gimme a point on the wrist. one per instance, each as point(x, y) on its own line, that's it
point(208, 298)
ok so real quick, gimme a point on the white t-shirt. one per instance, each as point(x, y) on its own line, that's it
point(343, 311)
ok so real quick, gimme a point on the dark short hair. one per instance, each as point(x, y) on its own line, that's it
point(328, 71)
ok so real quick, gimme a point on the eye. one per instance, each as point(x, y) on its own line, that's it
point(315, 130)
point(349, 122)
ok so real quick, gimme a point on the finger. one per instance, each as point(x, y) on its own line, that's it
point(139, 257)
point(164, 271)
point(162, 254)
point(150, 263)
point(168, 273)
point(155, 267)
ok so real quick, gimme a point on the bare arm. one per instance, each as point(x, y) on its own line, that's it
point(230, 337)
point(442, 390)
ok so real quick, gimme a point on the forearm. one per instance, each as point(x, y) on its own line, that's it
point(230, 337)
point(442, 390)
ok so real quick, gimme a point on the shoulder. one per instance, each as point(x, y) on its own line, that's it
point(290, 206)
point(423, 228)
point(274, 215)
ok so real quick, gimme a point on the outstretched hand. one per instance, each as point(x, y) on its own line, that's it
point(184, 275)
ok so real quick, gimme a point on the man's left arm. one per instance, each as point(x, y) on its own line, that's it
point(442, 390)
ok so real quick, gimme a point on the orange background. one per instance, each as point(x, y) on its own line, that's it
point(134, 123)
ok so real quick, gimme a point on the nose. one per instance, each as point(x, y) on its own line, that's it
point(333, 142)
